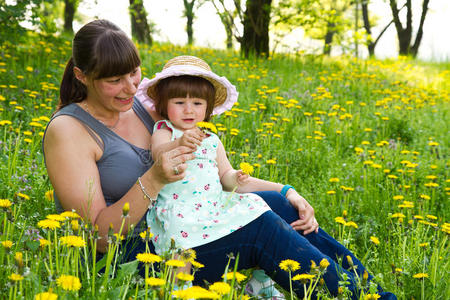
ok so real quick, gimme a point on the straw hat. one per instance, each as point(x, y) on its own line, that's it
point(226, 94)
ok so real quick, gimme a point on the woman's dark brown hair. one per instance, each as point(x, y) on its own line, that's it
point(100, 49)
point(181, 87)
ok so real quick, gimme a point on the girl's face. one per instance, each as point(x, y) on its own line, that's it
point(115, 93)
point(185, 113)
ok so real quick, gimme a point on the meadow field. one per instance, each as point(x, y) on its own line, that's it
point(365, 141)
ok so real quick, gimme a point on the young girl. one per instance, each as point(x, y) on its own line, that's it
point(211, 209)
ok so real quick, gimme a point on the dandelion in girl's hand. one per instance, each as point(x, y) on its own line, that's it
point(206, 125)
point(68, 282)
point(246, 168)
point(289, 265)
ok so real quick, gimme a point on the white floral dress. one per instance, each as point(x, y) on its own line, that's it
point(195, 210)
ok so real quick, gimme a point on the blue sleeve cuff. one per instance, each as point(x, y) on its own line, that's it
point(285, 189)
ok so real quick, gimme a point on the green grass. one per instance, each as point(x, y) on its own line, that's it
point(380, 127)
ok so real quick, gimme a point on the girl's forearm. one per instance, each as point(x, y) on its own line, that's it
point(253, 184)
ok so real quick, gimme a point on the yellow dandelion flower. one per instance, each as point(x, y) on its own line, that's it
point(175, 263)
point(72, 241)
point(375, 240)
point(303, 277)
point(351, 224)
point(246, 168)
point(44, 242)
point(420, 275)
point(398, 270)
point(153, 281)
point(221, 288)
point(334, 179)
point(431, 217)
point(271, 161)
point(148, 258)
point(206, 125)
point(339, 220)
point(289, 265)
point(5, 203)
point(68, 282)
point(29, 69)
point(425, 197)
point(197, 265)
point(70, 215)
point(7, 244)
point(423, 245)
point(55, 217)
point(324, 263)
point(15, 277)
point(398, 197)
point(185, 277)
point(195, 292)
point(238, 276)
point(371, 297)
point(49, 224)
point(46, 296)
point(26, 197)
point(331, 192)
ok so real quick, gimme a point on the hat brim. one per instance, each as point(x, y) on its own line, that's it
point(226, 93)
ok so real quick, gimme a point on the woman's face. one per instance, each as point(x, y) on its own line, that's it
point(117, 92)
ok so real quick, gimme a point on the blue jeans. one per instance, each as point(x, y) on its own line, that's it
point(265, 242)
point(268, 240)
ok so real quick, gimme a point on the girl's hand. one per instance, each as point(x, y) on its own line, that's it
point(306, 222)
point(192, 138)
point(241, 177)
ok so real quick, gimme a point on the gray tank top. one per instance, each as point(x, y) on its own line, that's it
point(121, 163)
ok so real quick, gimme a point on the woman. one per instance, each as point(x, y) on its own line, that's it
point(97, 156)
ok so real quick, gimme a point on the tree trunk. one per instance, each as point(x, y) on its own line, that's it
point(329, 38)
point(189, 13)
point(415, 47)
point(367, 26)
point(255, 40)
point(70, 6)
point(140, 29)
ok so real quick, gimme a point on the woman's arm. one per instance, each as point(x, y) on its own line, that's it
point(229, 178)
point(71, 156)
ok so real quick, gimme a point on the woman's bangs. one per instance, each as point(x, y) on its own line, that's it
point(115, 55)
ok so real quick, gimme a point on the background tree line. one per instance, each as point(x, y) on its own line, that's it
point(345, 23)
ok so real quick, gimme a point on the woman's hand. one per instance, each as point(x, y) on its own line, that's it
point(241, 177)
point(170, 166)
point(306, 222)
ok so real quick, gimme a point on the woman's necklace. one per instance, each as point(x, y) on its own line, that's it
point(112, 127)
